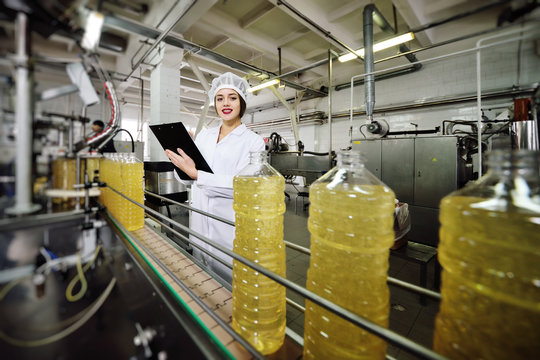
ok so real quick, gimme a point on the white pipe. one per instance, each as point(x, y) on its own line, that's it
point(292, 111)
point(479, 108)
point(109, 132)
point(461, 52)
point(330, 93)
point(479, 90)
point(23, 119)
point(198, 73)
point(351, 112)
point(202, 119)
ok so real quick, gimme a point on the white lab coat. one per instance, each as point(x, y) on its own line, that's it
point(213, 193)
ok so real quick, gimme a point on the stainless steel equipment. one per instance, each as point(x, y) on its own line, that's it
point(525, 134)
point(159, 178)
point(126, 311)
point(310, 167)
point(421, 171)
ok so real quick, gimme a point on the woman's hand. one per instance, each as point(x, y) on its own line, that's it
point(183, 162)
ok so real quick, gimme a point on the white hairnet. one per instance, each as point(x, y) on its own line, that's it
point(228, 80)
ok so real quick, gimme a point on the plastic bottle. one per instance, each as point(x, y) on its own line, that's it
point(104, 175)
point(116, 183)
point(259, 302)
point(64, 177)
point(92, 166)
point(490, 253)
point(133, 187)
point(122, 214)
point(351, 224)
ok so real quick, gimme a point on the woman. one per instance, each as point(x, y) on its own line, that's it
point(226, 149)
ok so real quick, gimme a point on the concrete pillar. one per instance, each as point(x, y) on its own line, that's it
point(164, 96)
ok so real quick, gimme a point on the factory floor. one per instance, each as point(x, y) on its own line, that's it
point(407, 316)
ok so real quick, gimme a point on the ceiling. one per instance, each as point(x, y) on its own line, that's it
point(252, 35)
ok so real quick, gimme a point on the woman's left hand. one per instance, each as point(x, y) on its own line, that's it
point(183, 162)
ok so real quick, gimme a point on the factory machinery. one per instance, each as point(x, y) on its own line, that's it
point(79, 281)
point(75, 282)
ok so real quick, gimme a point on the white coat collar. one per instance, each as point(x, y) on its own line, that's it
point(239, 130)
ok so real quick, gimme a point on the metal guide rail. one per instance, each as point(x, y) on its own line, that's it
point(205, 298)
point(172, 265)
point(386, 334)
point(403, 284)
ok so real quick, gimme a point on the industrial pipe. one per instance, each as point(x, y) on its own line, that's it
point(369, 82)
point(109, 132)
point(159, 39)
point(528, 32)
point(326, 33)
point(23, 118)
point(130, 26)
point(417, 30)
point(330, 91)
point(479, 86)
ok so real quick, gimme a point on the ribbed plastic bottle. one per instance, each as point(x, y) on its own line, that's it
point(351, 224)
point(258, 302)
point(64, 177)
point(115, 183)
point(490, 253)
point(122, 206)
point(133, 187)
point(92, 167)
point(104, 175)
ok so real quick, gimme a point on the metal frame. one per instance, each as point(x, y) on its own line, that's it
point(527, 32)
point(382, 332)
point(130, 26)
point(195, 298)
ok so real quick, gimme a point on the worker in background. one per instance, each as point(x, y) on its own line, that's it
point(226, 149)
point(97, 127)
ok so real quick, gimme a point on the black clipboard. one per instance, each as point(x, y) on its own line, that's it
point(174, 135)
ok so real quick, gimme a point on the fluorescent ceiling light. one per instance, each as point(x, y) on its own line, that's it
point(378, 46)
point(92, 31)
point(264, 85)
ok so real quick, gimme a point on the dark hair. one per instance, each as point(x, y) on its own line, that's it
point(243, 106)
point(99, 123)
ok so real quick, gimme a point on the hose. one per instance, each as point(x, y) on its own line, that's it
point(10, 286)
point(131, 137)
point(88, 313)
point(80, 276)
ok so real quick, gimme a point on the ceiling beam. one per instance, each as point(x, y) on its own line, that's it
point(315, 53)
point(316, 15)
point(346, 9)
point(130, 26)
point(292, 36)
point(257, 13)
point(221, 40)
point(171, 9)
point(412, 11)
point(444, 8)
point(262, 43)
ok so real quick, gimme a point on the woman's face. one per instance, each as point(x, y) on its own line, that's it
point(227, 104)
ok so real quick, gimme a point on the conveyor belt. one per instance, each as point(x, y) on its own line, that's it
point(207, 289)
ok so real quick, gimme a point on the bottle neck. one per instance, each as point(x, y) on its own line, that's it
point(524, 163)
point(350, 159)
point(257, 157)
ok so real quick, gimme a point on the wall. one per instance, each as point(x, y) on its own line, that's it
point(503, 67)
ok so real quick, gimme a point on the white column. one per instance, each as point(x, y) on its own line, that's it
point(164, 97)
point(23, 119)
